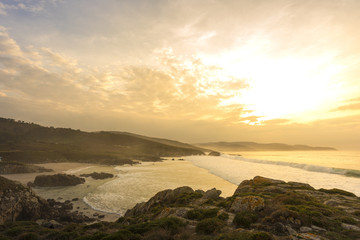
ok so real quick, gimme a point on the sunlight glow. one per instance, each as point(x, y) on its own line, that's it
point(284, 87)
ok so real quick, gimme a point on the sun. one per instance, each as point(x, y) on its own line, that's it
point(295, 88)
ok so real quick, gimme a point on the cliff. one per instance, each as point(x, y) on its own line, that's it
point(260, 209)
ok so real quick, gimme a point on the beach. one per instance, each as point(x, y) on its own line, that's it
point(132, 184)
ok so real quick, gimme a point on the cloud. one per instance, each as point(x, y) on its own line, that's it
point(177, 88)
point(33, 6)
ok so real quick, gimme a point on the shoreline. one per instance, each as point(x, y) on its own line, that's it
point(133, 183)
point(70, 193)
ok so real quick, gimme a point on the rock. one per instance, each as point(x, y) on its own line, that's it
point(318, 229)
point(55, 224)
point(248, 203)
point(57, 180)
point(97, 176)
point(212, 194)
point(256, 182)
point(181, 212)
point(214, 153)
point(18, 202)
point(305, 229)
point(75, 199)
point(350, 227)
point(166, 196)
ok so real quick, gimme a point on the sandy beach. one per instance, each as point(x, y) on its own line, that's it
point(131, 184)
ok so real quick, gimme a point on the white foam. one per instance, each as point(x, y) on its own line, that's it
point(76, 170)
point(237, 169)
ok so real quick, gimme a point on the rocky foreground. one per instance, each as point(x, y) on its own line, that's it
point(260, 209)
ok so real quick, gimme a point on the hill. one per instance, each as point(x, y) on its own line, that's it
point(32, 143)
point(252, 146)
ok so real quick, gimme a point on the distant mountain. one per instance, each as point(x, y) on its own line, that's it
point(252, 146)
point(32, 143)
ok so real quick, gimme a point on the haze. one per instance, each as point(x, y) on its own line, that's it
point(266, 71)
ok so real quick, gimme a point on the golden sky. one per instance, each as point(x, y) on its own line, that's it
point(234, 70)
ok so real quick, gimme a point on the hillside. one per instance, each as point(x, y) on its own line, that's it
point(252, 146)
point(32, 143)
point(164, 141)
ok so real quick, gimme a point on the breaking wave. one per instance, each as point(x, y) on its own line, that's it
point(307, 167)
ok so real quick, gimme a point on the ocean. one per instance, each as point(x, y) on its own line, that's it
point(133, 184)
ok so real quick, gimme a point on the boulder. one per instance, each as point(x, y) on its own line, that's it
point(96, 175)
point(166, 196)
point(57, 180)
point(214, 153)
point(248, 203)
point(212, 194)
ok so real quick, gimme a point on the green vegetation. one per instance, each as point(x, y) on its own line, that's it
point(245, 219)
point(337, 191)
point(245, 236)
point(200, 214)
point(209, 226)
point(32, 143)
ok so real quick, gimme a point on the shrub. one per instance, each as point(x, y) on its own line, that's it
point(171, 224)
point(337, 191)
point(223, 216)
point(209, 225)
point(244, 219)
point(29, 236)
point(200, 214)
point(122, 235)
point(245, 236)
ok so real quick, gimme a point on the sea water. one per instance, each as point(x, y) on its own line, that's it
point(138, 183)
point(333, 169)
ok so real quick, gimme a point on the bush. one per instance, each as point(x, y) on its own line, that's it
point(245, 236)
point(29, 236)
point(171, 224)
point(122, 235)
point(209, 225)
point(223, 216)
point(244, 219)
point(200, 214)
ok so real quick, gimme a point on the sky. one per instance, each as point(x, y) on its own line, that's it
point(196, 71)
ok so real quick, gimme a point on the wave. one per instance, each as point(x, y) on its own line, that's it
point(307, 167)
point(76, 170)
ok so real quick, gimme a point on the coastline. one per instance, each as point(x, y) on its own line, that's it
point(70, 193)
point(132, 184)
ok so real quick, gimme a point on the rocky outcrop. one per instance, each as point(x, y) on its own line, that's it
point(214, 153)
point(57, 180)
point(261, 208)
point(275, 208)
point(247, 203)
point(16, 168)
point(20, 203)
point(96, 175)
point(167, 196)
